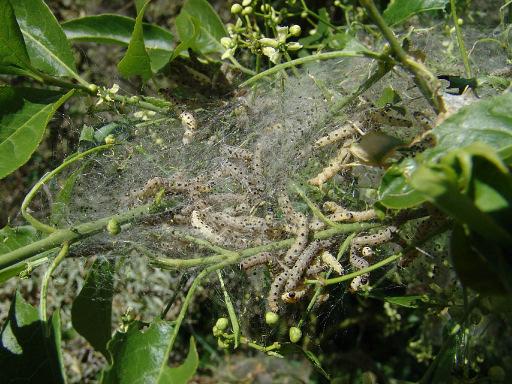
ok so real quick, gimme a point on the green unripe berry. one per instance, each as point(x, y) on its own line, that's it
point(271, 318)
point(295, 334)
point(221, 344)
point(295, 30)
point(304, 14)
point(222, 323)
point(110, 139)
point(247, 11)
point(113, 227)
point(236, 8)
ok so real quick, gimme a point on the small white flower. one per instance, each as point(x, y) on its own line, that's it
point(282, 34)
point(294, 46)
point(267, 42)
point(272, 54)
point(114, 89)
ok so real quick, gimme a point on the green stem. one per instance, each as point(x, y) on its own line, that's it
point(190, 294)
point(169, 263)
point(72, 235)
point(427, 83)
point(46, 280)
point(231, 311)
point(314, 209)
point(294, 69)
point(28, 198)
point(360, 272)
point(460, 40)
point(309, 59)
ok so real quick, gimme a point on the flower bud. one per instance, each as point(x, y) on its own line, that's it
point(247, 11)
point(110, 139)
point(295, 334)
point(226, 42)
point(221, 344)
point(222, 323)
point(295, 30)
point(236, 8)
point(245, 3)
point(271, 318)
point(294, 46)
point(267, 42)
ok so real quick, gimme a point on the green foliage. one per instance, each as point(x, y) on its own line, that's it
point(211, 28)
point(12, 238)
point(91, 312)
point(136, 61)
point(116, 29)
point(142, 356)
point(399, 11)
point(30, 348)
point(12, 45)
point(23, 119)
point(47, 45)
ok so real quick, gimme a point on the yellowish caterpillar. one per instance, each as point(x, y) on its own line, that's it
point(336, 164)
point(188, 121)
point(294, 296)
point(330, 260)
point(302, 232)
point(352, 216)
point(209, 234)
point(377, 238)
point(334, 136)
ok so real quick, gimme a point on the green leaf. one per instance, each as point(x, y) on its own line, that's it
point(30, 348)
point(399, 11)
point(138, 5)
point(472, 266)
point(488, 121)
point(47, 45)
point(184, 372)
point(12, 45)
point(60, 204)
point(189, 27)
point(394, 191)
point(12, 238)
point(439, 185)
point(116, 29)
point(91, 313)
point(404, 301)
point(211, 27)
point(139, 355)
point(136, 61)
point(23, 119)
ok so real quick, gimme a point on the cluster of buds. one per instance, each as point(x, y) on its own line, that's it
point(246, 34)
point(107, 94)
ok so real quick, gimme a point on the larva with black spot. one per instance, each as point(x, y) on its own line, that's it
point(241, 223)
point(377, 238)
point(334, 136)
point(329, 260)
point(303, 263)
point(237, 153)
point(336, 164)
point(343, 215)
point(302, 232)
point(209, 234)
point(259, 259)
point(294, 296)
point(188, 121)
point(275, 291)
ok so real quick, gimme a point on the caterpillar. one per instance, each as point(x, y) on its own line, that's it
point(329, 260)
point(242, 223)
point(380, 237)
point(341, 214)
point(197, 222)
point(303, 262)
point(275, 290)
point(302, 232)
point(294, 296)
point(334, 136)
point(232, 152)
point(335, 165)
point(259, 259)
point(188, 121)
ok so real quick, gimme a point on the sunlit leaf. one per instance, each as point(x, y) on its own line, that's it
point(23, 118)
point(47, 45)
point(136, 61)
point(399, 11)
point(117, 29)
point(12, 45)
